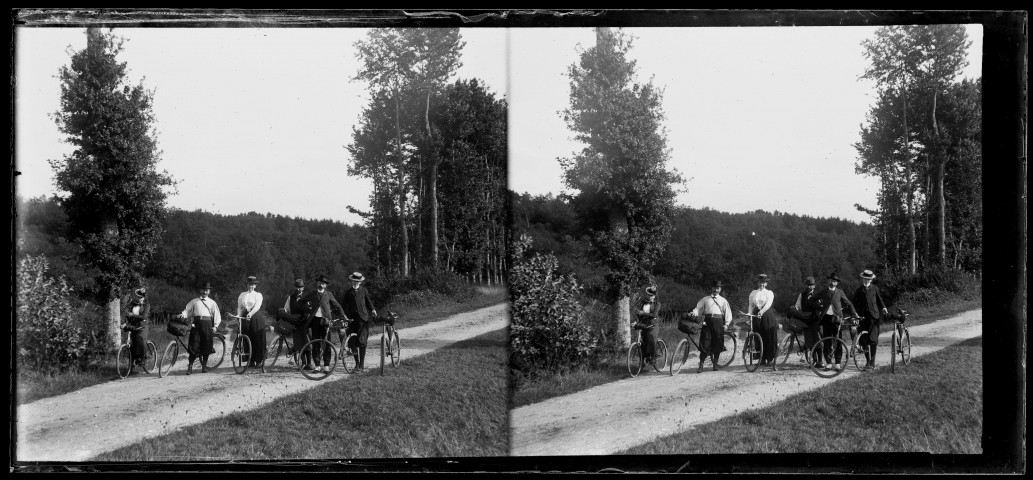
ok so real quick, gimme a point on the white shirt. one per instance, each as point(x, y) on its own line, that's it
point(714, 305)
point(203, 308)
point(762, 299)
point(249, 303)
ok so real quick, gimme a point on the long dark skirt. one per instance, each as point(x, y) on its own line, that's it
point(256, 333)
point(712, 336)
point(767, 327)
point(200, 342)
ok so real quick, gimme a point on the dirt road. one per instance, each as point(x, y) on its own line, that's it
point(618, 415)
point(82, 424)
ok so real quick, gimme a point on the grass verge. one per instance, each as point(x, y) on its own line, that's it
point(934, 404)
point(610, 366)
point(32, 386)
point(451, 402)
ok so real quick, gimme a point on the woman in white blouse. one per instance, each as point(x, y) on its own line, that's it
point(761, 301)
point(249, 305)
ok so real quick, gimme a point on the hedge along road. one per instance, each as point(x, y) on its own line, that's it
point(82, 424)
point(618, 415)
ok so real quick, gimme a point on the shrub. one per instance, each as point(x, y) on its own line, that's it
point(48, 338)
point(547, 330)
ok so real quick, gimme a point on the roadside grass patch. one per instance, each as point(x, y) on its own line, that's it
point(934, 404)
point(32, 385)
point(450, 402)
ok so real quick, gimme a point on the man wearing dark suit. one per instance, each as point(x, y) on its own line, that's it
point(295, 312)
point(871, 308)
point(834, 302)
point(360, 310)
point(321, 303)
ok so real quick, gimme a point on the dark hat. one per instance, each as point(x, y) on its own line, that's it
point(356, 277)
point(868, 274)
point(251, 279)
point(205, 286)
point(299, 283)
point(651, 290)
point(833, 276)
point(323, 278)
point(717, 283)
point(762, 277)
point(141, 292)
point(809, 281)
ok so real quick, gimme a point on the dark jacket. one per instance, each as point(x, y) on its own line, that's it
point(357, 304)
point(838, 300)
point(868, 302)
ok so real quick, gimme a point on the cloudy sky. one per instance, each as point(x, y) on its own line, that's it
point(757, 117)
point(247, 119)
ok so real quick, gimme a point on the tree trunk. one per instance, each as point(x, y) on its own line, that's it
point(621, 306)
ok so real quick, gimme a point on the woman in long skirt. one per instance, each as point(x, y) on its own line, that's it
point(249, 306)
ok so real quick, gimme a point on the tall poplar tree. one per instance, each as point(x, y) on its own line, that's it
point(111, 190)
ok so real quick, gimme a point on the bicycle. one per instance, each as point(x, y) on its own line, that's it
point(753, 346)
point(124, 358)
point(390, 344)
point(826, 348)
point(635, 360)
point(171, 354)
point(240, 355)
point(900, 341)
point(681, 351)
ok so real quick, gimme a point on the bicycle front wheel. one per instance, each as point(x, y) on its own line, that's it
point(219, 344)
point(824, 352)
point(395, 349)
point(168, 359)
point(274, 351)
point(661, 355)
point(240, 357)
point(321, 352)
point(150, 363)
point(635, 359)
point(905, 347)
point(124, 361)
point(859, 352)
point(752, 349)
point(731, 344)
point(680, 357)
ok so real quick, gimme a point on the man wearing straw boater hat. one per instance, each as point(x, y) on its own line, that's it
point(205, 313)
point(322, 304)
point(870, 307)
point(834, 302)
point(358, 308)
point(718, 315)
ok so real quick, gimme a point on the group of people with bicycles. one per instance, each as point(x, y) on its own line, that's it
point(817, 314)
point(307, 315)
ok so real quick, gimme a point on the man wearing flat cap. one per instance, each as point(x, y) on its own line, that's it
point(322, 304)
point(717, 315)
point(871, 308)
point(834, 302)
point(359, 309)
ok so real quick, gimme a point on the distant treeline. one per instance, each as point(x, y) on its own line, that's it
point(709, 245)
point(200, 246)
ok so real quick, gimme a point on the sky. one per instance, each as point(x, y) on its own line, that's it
point(757, 118)
point(247, 119)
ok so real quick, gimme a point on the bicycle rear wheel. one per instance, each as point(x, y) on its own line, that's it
point(785, 348)
point(317, 350)
point(634, 359)
point(905, 347)
point(752, 349)
point(731, 344)
point(825, 350)
point(859, 352)
point(219, 344)
point(274, 351)
point(240, 356)
point(660, 360)
point(680, 357)
point(150, 363)
point(168, 359)
point(395, 349)
point(124, 361)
